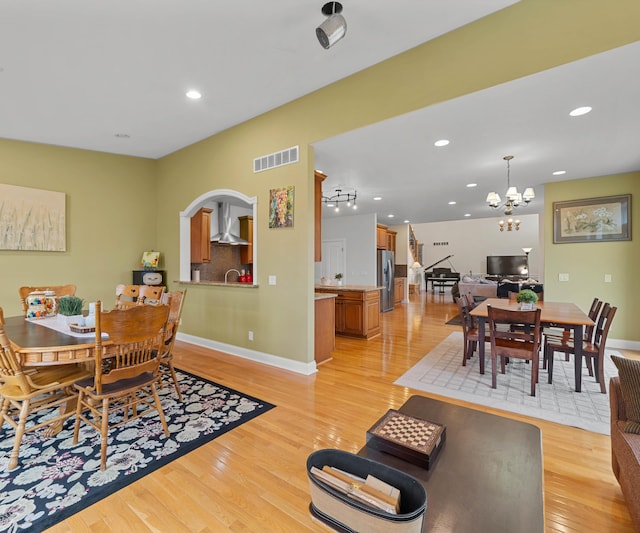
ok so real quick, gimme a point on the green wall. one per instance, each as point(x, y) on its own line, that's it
point(587, 263)
point(120, 206)
point(110, 213)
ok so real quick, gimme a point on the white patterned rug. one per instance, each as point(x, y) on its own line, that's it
point(441, 372)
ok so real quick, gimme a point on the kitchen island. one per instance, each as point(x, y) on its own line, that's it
point(357, 309)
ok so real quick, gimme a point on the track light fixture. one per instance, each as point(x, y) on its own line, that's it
point(338, 195)
point(334, 27)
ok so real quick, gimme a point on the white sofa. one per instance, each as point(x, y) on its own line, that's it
point(478, 287)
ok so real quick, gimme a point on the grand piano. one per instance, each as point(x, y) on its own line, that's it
point(441, 277)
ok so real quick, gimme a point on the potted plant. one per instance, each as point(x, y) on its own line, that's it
point(338, 277)
point(70, 309)
point(526, 298)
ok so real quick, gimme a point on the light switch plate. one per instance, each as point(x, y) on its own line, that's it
point(563, 276)
point(607, 278)
point(272, 280)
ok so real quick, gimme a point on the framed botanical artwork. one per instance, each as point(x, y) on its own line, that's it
point(593, 220)
point(281, 207)
point(32, 219)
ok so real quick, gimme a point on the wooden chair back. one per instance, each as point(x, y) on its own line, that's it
point(602, 327)
point(60, 290)
point(593, 314)
point(11, 372)
point(136, 338)
point(150, 294)
point(519, 341)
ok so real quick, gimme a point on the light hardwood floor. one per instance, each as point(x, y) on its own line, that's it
point(254, 478)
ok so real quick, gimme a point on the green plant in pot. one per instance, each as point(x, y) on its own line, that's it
point(338, 277)
point(527, 298)
point(70, 307)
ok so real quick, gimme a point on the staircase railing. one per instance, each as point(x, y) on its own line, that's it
point(414, 246)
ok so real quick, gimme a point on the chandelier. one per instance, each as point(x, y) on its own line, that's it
point(340, 195)
point(513, 199)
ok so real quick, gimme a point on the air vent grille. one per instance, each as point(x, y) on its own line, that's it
point(277, 159)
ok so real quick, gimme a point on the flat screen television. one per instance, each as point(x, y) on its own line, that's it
point(506, 265)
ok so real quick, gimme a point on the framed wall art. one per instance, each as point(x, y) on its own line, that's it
point(32, 219)
point(281, 207)
point(592, 220)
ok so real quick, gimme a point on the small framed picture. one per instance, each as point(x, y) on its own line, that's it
point(281, 207)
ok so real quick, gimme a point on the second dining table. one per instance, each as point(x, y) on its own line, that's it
point(553, 314)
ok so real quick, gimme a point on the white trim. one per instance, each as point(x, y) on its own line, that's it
point(306, 369)
point(621, 344)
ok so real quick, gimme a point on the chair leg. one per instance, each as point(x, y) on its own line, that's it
point(465, 354)
point(548, 355)
point(104, 433)
point(599, 366)
point(534, 374)
point(177, 385)
point(494, 371)
point(159, 409)
point(22, 422)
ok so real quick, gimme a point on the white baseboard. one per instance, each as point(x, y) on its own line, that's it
point(623, 344)
point(259, 357)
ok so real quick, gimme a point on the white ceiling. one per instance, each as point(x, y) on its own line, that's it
point(112, 76)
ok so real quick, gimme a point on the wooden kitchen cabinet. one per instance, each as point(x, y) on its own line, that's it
point(399, 285)
point(201, 236)
point(357, 311)
point(391, 240)
point(246, 233)
point(381, 237)
point(317, 200)
point(325, 327)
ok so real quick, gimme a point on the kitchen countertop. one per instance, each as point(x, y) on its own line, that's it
point(340, 288)
point(324, 295)
point(219, 284)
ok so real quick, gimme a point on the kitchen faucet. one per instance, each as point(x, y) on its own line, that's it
point(230, 270)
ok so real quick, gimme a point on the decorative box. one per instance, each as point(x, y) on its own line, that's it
point(343, 513)
point(412, 439)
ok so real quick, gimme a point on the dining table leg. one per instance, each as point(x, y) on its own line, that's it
point(577, 343)
point(481, 337)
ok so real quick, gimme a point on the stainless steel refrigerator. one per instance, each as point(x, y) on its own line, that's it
point(386, 265)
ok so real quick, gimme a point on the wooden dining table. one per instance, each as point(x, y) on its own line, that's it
point(37, 345)
point(553, 314)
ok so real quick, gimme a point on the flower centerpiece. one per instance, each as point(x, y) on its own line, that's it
point(527, 298)
point(70, 309)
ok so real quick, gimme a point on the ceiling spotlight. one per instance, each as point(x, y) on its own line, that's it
point(193, 94)
point(579, 111)
point(334, 27)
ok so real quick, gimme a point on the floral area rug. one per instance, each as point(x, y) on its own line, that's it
point(56, 479)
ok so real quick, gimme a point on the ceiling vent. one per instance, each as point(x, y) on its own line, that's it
point(277, 159)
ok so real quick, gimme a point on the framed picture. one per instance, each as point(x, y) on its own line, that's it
point(32, 219)
point(592, 220)
point(281, 207)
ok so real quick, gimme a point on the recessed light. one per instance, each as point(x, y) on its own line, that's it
point(452, 203)
point(472, 185)
point(559, 172)
point(390, 216)
point(467, 214)
point(580, 111)
point(122, 135)
point(441, 142)
point(378, 198)
point(406, 221)
point(194, 95)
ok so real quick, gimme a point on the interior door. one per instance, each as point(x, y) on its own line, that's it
point(334, 259)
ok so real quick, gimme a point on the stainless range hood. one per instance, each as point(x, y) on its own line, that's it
point(224, 235)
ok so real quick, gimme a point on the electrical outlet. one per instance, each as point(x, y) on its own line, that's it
point(607, 278)
point(272, 280)
point(563, 276)
point(251, 335)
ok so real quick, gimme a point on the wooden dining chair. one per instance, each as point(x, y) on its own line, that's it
point(27, 391)
point(469, 332)
point(126, 295)
point(175, 300)
point(60, 290)
point(593, 350)
point(521, 342)
point(150, 294)
point(126, 371)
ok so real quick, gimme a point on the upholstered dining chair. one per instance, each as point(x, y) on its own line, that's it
point(521, 342)
point(126, 370)
point(25, 392)
point(60, 290)
point(593, 350)
point(175, 300)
